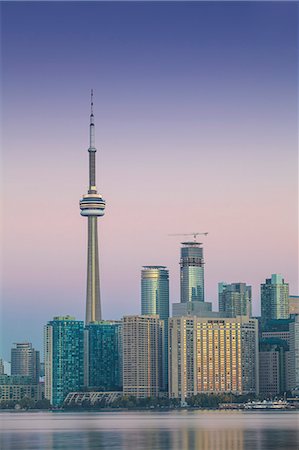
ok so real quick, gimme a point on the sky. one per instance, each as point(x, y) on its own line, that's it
point(196, 129)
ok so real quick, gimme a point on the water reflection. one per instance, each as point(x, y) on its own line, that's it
point(150, 431)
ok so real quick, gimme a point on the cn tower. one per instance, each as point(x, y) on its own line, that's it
point(92, 206)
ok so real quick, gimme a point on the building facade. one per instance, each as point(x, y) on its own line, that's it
point(92, 206)
point(155, 291)
point(64, 361)
point(293, 304)
point(1, 367)
point(274, 298)
point(212, 355)
point(17, 387)
point(25, 361)
point(192, 272)
point(143, 338)
point(155, 300)
point(294, 351)
point(234, 299)
point(103, 356)
point(273, 365)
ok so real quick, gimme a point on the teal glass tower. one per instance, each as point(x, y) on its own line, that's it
point(192, 272)
point(92, 206)
point(155, 300)
point(103, 356)
point(274, 298)
point(64, 361)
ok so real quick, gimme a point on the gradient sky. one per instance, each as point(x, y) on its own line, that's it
point(196, 130)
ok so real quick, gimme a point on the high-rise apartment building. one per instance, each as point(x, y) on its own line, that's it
point(103, 356)
point(143, 338)
point(64, 362)
point(25, 361)
point(192, 272)
point(92, 206)
point(155, 300)
point(234, 299)
point(274, 298)
point(212, 355)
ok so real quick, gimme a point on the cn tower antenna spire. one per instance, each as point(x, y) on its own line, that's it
point(91, 126)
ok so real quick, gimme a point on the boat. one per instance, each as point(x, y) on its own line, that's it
point(267, 404)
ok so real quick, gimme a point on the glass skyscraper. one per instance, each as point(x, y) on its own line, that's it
point(155, 291)
point(103, 353)
point(234, 299)
point(64, 362)
point(155, 300)
point(274, 298)
point(192, 272)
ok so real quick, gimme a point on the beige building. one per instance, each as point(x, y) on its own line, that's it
point(17, 387)
point(294, 304)
point(142, 355)
point(212, 355)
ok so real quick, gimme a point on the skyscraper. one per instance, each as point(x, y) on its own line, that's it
point(274, 298)
point(212, 355)
point(103, 356)
point(142, 355)
point(234, 299)
point(25, 361)
point(155, 291)
point(64, 362)
point(92, 206)
point(155, 300)
point(192, 272)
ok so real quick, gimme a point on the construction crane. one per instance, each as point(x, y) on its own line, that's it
point(190, 234)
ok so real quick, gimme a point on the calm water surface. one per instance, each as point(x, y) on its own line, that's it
point(179, 430)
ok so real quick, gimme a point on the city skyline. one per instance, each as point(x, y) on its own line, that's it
point(181, 147)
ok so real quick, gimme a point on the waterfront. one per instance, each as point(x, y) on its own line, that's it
point(175, 430)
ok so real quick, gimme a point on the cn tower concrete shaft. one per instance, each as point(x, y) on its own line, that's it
point(92, 206)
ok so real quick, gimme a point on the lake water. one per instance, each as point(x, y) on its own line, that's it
point(175, 430)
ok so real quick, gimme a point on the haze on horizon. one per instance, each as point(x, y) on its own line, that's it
point(196, 130)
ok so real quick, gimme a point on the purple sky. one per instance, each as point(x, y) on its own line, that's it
point(196, 130)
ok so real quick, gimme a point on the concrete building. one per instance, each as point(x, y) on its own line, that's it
point(275, 331)
point(212, 355)
point(25, 361)
point(143, 338)
point(274, 298)
point(194, 308)
point(234, 299)
point(64, 362)
point(92, 206)
point(192, 272)
point(103, 356)
point(155, 300)
point(273, 356)
point(17, 387)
